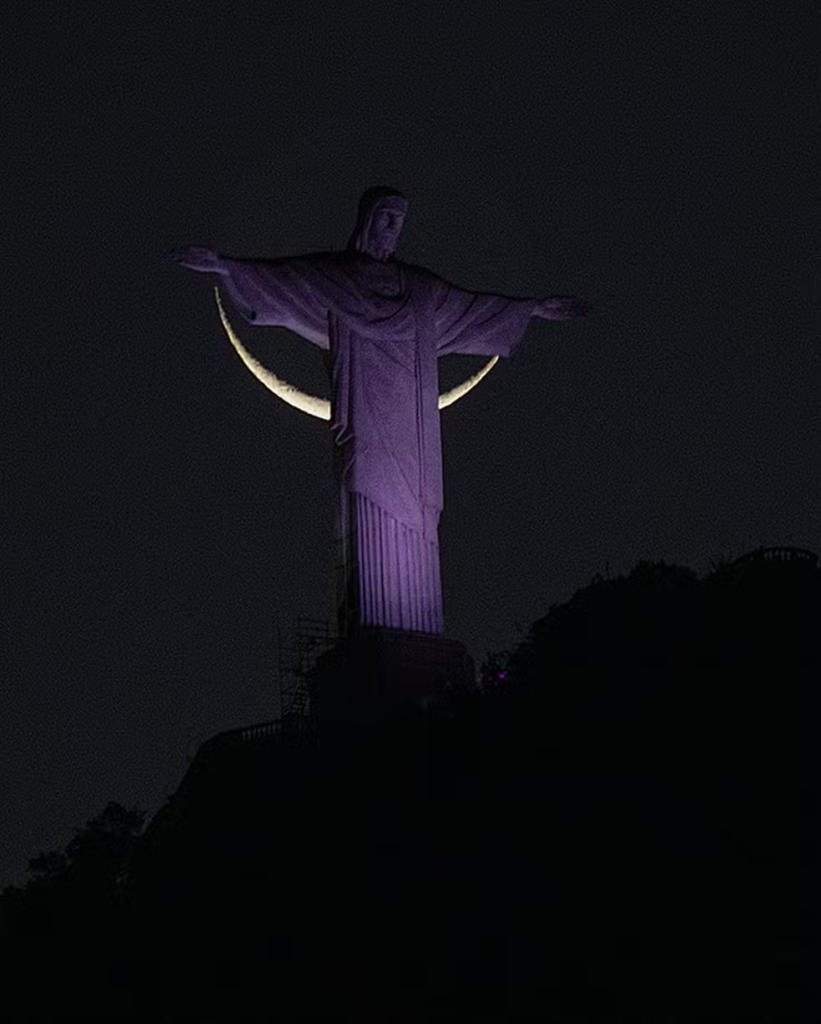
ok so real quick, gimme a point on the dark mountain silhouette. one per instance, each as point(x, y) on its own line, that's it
point(609, 828)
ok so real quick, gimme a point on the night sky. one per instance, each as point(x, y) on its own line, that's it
point(163, 514)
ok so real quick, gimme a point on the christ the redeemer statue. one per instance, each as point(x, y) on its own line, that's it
point(383, 323)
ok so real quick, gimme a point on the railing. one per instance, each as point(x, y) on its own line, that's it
point(288, 726)
point(779, 554)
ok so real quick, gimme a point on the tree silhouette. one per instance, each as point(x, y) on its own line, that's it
point(67, 916)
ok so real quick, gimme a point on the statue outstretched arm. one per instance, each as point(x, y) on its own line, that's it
point(268, 293)
point(562, 307)
point(475, 323)
point(197, 257)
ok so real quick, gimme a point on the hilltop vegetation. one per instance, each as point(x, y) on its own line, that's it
point(611, 825)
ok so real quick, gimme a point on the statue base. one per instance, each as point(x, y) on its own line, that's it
point(376, 671)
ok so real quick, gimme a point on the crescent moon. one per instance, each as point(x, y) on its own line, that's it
point(311, 404)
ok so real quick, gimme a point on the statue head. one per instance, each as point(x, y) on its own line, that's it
point(379, 221)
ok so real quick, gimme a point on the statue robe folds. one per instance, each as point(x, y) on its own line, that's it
point(383, 326)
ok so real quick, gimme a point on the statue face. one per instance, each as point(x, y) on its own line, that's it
point(386, 225)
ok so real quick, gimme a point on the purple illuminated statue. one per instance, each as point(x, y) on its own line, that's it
point(383, 324)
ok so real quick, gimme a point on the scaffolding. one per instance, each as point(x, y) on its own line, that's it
point(298, 654)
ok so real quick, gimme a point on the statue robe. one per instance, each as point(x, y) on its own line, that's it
point(383, 326)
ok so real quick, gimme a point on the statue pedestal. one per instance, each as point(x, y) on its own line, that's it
point(376, 671)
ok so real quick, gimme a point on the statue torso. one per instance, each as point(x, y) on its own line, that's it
point(386, 280)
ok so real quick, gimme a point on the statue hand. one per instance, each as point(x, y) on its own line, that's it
point(196, 257)
point(562, 307)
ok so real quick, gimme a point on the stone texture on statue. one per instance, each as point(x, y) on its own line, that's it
point(383, 324)
point(387, 572)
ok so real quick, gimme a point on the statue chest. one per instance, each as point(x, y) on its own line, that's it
point(386, 282)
